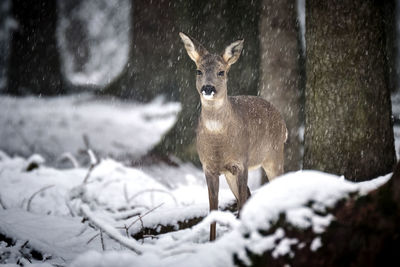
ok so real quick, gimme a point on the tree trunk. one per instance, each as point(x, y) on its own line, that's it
point(279, 70)
point(34, 60)
point(215, 25)
point(151, 67)
point(348, 111)
point(5, 29)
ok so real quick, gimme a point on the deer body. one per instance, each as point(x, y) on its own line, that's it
point(235, 133)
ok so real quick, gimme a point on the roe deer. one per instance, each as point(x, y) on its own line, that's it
point(235, 133)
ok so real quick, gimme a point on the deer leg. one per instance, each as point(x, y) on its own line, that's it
point(242, 188)
point(232, 182)
point(273, 164)
point(237, 181)
point(213, 187)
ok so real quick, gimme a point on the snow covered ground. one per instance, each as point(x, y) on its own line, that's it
point(45, 206)
point(42, 205)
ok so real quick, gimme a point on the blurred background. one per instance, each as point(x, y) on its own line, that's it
point(116, 72)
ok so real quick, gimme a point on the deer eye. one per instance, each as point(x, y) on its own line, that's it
point(198, 72)
point(221, 73)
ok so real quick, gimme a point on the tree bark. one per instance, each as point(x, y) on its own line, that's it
point(215, 25)
point(34, 61)
point(348, 127)
point(280, 71)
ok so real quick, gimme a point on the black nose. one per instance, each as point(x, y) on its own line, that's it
point(208, 90)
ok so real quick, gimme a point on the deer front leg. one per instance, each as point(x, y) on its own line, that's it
point(213, 187)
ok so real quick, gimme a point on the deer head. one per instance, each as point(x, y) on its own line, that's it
point(212, 69)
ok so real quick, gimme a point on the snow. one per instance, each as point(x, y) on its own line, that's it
point(316, 244)
point(53, 127)
point(50, 228)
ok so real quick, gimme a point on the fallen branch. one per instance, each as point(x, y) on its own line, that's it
point(111, 232)
point(28, 206)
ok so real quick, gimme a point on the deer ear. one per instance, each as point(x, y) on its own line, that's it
point(194, 49)
point(232, 52)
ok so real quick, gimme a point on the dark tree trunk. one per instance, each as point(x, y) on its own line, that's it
point(348, 127)
point(34, 60)
point(5, 27)
point(391, 43)
point(214, 24)
point(365, 232)
point(151, 67)
point(280, 71)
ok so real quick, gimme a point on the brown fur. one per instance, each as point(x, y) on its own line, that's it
point(236, 133)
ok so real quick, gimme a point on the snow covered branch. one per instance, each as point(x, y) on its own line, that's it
point(111, 231)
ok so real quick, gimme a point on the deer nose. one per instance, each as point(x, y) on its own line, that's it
point(208, 90)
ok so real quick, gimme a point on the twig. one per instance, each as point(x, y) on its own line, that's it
point(2, 204)
point(141, 223)
point(128, 214)
point(92, 238)
point(68, 156)
point(22, 253)
point(28, 206)
point(102, 240)
point(141, 216)
point(93, 159)
point(126, 194)
point(71, 212)
point(111, 231)
point(152, 191)
point(88, 173)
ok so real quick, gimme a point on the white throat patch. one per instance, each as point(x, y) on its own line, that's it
point(213, 125)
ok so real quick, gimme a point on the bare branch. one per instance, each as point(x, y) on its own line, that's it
point(141, 216)
point(28, 206)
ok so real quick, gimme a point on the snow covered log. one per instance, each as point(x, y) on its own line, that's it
point(364, 231)
point(144, 228)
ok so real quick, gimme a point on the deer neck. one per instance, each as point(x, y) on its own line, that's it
point(215, 114)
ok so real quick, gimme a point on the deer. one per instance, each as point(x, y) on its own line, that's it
point(235, 134)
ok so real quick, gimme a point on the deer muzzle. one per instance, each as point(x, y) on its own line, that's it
point(208, 91)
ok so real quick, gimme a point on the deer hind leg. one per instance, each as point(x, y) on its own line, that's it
point(237, 180)
point(213, 187)
point(273, 164)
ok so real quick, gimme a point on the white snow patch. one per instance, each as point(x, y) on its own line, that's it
point(316, 244)
point(283, 247)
